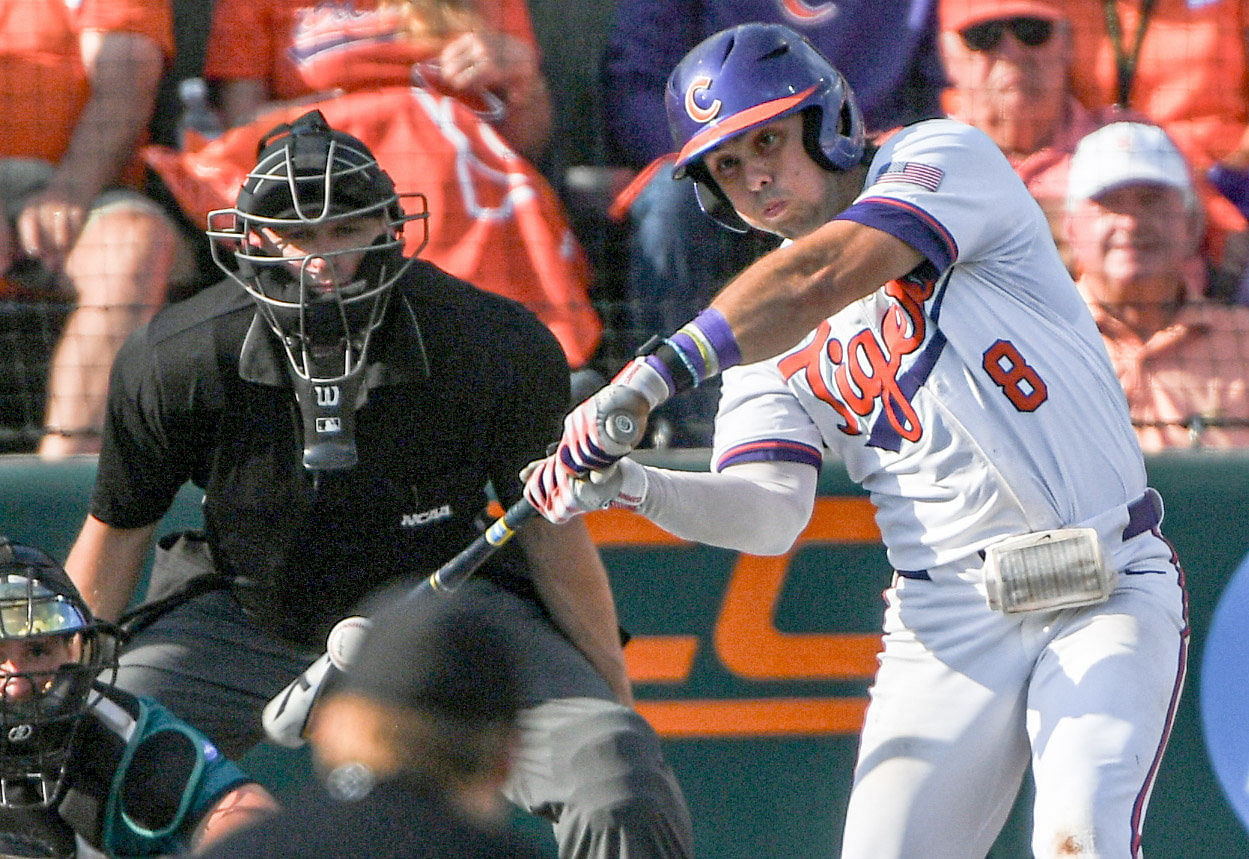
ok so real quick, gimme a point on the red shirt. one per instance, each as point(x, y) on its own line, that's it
point(251, 39)
point(43, 84)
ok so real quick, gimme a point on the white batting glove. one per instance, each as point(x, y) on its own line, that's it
point(559, 496)
point(609, 424)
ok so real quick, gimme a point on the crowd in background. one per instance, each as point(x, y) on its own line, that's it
point(105, 204)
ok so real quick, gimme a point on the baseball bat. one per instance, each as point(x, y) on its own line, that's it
point(286, 716)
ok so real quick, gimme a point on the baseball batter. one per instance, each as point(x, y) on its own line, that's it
point(921, 326)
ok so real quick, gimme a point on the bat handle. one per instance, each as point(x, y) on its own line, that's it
point(452, 574)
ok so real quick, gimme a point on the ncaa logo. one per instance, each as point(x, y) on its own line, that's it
point(20, 733)
point(697, 86)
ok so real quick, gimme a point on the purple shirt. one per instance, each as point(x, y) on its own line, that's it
point(887, 49)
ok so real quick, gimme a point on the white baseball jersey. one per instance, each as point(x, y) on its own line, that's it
point(974, 401)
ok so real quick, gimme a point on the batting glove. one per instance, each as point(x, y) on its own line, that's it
point(559, 496)
point(610, 424)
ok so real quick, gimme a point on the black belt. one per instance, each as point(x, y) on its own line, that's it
point(1144, 514)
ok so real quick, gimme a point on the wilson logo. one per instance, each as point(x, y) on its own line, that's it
point(416, 520)
point(698, 86)
point(327, 395)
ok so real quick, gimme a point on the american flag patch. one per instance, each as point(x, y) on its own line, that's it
point(923, 175)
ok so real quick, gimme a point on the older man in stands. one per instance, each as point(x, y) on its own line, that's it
point(1009, 63)
point(1134, 223)
point(79, 83)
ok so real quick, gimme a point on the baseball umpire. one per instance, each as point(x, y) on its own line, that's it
point(83, 765)
point(919, 323)
point(344, 408)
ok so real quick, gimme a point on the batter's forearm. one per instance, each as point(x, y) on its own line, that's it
point(784, 295)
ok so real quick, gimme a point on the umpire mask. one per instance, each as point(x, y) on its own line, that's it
point(316, 238)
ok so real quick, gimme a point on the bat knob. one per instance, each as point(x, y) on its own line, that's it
point(621, 426)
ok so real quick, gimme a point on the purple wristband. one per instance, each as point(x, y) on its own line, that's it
point(718, 333)
point(690, 353)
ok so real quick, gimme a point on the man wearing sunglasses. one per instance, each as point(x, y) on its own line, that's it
point(1008, 64)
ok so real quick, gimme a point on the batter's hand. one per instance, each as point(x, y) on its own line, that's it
point(559, 496)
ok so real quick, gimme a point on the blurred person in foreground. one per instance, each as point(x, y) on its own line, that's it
point(411, 746)
point(79, 82)
point(1134, 223)
point(83, 765)
point(1009, 65)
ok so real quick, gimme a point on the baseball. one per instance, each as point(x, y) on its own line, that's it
point(344, 640)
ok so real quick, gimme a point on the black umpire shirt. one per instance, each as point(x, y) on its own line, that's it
point(464, 388)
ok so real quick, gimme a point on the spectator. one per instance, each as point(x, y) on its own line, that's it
point(80, 80)
point(409, 393)
point(411, 747)
point(1010, 72)
point(482, 50)
point(1134, 223)
point(678, 258)
point(1185, 66)
point(81, 758)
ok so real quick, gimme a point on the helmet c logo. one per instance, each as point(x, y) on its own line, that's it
point(698, 85)
point(807, 13)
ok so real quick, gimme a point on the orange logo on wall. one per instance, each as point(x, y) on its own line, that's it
point(747, 642)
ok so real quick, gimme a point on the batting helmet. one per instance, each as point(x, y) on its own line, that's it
point(40, 712)
point(747, 76)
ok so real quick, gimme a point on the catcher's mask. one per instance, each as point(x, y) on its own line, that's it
point(308, 176)
point(42, 615)
point(745, 77)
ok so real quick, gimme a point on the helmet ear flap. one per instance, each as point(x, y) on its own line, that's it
point(717, 206)
point(714, 203)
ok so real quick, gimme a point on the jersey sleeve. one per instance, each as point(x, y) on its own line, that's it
point(945, 189)
point(146, 455)
point(760, 420)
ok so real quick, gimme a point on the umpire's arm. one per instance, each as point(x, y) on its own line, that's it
point(572, 582)
point(106, 563)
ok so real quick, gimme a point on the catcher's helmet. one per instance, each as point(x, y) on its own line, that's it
point(40, 712)
point(747, 76)
point(308, 174)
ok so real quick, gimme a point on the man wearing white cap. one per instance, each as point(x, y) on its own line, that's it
point(1134, 225)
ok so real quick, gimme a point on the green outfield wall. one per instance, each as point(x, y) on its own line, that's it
point(755, 670)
